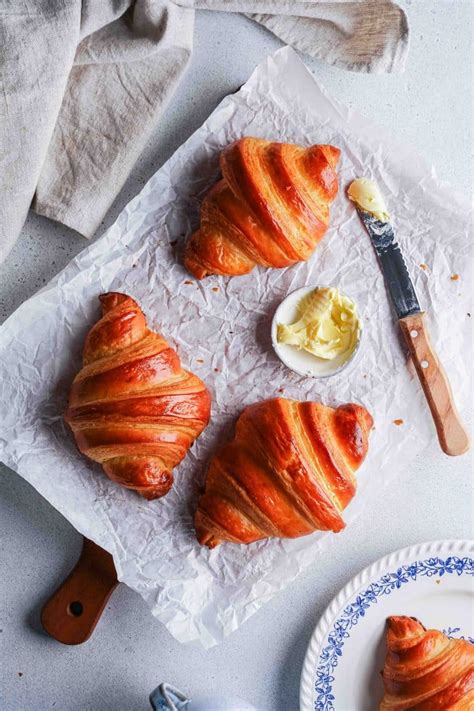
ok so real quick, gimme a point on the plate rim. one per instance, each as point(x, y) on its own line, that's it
point(364, 577)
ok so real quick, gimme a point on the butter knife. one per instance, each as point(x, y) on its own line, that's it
point(452, 435)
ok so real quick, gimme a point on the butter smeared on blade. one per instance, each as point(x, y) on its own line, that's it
point(327, 325)
point(453, 436)
point(367, 196)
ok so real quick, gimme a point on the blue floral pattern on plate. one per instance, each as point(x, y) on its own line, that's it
point(353, 613)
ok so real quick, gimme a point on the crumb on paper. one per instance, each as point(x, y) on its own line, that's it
point(454, 277)
point(281, 390)
point(134, 265)
point(216, 370)
point(20, 673)
point(215, 288)
point(398, 422)
point(190, 612)
point(423, 266)
point(199, 360)
point(469, 314)
point(437, 582)
point(188, 282)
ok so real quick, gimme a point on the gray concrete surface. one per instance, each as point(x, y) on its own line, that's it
point(429, 107)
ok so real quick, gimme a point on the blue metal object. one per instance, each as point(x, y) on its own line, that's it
point(166, 698)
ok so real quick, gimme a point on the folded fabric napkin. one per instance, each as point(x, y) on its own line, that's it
point(84, 84)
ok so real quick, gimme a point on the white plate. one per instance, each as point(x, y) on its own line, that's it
point(431, 581)
point(300, 361)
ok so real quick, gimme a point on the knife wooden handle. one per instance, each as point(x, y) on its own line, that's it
point(71, 614)
point(452, 435)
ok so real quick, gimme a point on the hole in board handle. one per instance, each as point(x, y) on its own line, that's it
point(413, 333)
point(424, 364)
point(75, 608)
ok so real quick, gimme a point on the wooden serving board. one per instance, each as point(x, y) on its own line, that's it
point(73, 611)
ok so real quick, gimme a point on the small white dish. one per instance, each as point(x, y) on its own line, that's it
point(300, 361)
point(430, 581)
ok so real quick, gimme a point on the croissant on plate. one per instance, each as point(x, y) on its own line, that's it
point(288, 471)
point(132, 407)
point(425, 670)
point(271, 207)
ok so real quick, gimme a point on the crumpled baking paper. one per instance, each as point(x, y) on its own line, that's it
point(221, 330)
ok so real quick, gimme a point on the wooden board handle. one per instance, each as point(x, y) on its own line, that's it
point(71, 614)
point(452, 435)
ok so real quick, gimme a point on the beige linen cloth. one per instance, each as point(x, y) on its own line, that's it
point(83, 83)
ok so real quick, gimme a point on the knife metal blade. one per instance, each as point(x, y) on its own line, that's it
point(453, 436)
point(393, 265)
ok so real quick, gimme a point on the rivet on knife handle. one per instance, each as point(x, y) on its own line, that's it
point(372, 210)
point(453, 438)
point(71, 614)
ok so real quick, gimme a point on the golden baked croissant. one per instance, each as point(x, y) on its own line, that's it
point(425, 670)
point(271, 207)
point(288, 471)
point(132, 407)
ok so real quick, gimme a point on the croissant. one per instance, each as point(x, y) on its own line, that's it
point(132, 407)
point(425, 670)
point(288, 471)
point(270, 208)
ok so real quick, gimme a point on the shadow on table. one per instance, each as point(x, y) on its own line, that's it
point(29, 510)
point(290, 673)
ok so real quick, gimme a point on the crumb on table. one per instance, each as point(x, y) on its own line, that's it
point(454, 277)
point(398, 422)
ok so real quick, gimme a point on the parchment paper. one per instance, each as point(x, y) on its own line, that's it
point(221, 330)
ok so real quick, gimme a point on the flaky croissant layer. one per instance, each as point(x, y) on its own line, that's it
point(288, 471)
point(425, 670)
point(132, 407)
point(271, 207)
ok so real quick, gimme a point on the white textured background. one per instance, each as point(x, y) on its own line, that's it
point(430, 106)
